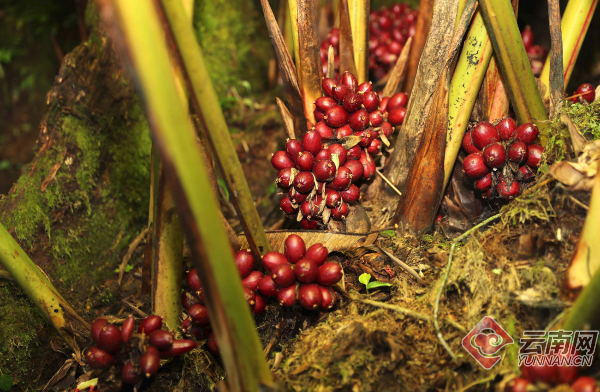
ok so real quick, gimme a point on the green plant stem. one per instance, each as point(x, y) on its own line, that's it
point(41, 292)
point(136, 28)
point(585, 313)
point(359, 22)
point(502, 27)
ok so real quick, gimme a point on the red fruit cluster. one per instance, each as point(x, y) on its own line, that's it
point(389, 31)
point(502, 159)
point(588, 91)
point(319, 172)
point(536, 53)
point(138, 353)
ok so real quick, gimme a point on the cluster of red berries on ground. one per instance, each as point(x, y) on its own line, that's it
point(300, 275)
point(389, 31)
point(319, 172)
point(502, 159)
point(137, 353)
point(584, 93)
point(536, 53)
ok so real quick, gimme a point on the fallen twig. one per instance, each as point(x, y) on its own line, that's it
point(134, 244)
point(388, 182)
point(402, 264)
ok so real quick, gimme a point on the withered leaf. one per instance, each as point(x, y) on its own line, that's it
point(332, 241)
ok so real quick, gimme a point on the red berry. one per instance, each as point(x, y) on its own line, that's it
point(309, 296)
point(292, 148)
point(305, 161)
point(340, 212)
point(325, 131)
point(349, 81)
point(343, 131)
point(527, 37)
point(287, 207)
point(383, 104)
point(526, 173)
point(129, 375)
point(517, 152)
point(306, 271)
point(98, 358)
point(356, 168)
point(484, 183)
point(339, 91)
point(527, 133)
point(193, 280)
point(589, 90)
point(283, 275)
point(371, 101)
point(259, 305)
point(150, 361)
point(287, 296)
point(244, 261)
point(161, 339)
point(467, 144)
point(336, 117)
point(329, 274)
point(319, 115)
point(97, 326)
point(182, 346)
point(534, 155)
point(343, 180)
point(364, 87)
point(367, 137)
point(309, 225)
point(328, 297)
point(250, 296)
point(272, 259)
point(506, 128)
point(375, 118)
point(327, 85)
point(304, 181)
point(324, 103)
point(351, 194)
point(340, 151)
point(318, 253)
point(585, 384)
point(474, 166)
point(324, 154)
point(387, 129)
point(311, 141)
point(368, 163)
point(267, 286)
point(212, 344)
point(294, 248)
point(396, 116)
point(296, 196)
point(309, 209)
point(324, 170)
point(359, 120)
point(494, 155)
point(484, 134)
point(375, 147)
point(536, 52)
point(508, 191)
point(280, 160)
point(397, 100)
point(251, 281)
point(517, 385)
point(284, 178)
point(109, 339)
point(127, 329)
point(199, 314)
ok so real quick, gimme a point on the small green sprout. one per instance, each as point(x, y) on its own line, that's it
point(366, 280)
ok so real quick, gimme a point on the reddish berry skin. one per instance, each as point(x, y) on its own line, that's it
point(349, 81)
point(375, 147)
point(98, 358)
point(387, 129)
point(371, 101)
point(328, 298)
point(332, 198)
point(467, 144)
point(527, 173)
point(324, 103)
point(534, 155)
point(517, 385)
point(292, 148)
point(309, 209)
point(589, 89)
point(287, 207)
point(351, 194)
point(150, 361)
point(309, 296)
point(397, 100)
point(284, 178)
point(127, 329)
point(484, 134)
point(375, 118)
point(368, 165)
point(356, 168)
point(474, 166)
point(272, 259)
point(193, 280)
point(484, 183)
point(364, 87)
point(359, 120)
point(336, 117)
point(212, 344)
point(199, 314)
point(244, 261)
point(109, 339)
point(585, 384)
point(179, 347)
point(294, 248)
point(318, 253)
point(340, 212)
point(383, 104)
point(343, 180)
point(283, 275)
point(343, 131)
point(325, 131)
point(506, 128)
point(161, 339)
point(97, 326)
point(536, 67)
point(329, 274)
point(339, 91)
point(287, 296)
point(296, 196)
point(324, 154)
point(280, 160)
point(366, 136)
point(527, 133)
point(251, 281)
point(340, 151)
point(129, 375)
point(517, 152)
point(327, 85)
point(319, 115)
point(259, 305)
point(305, 161)
point(527, 37)
point(536, 52)
point(250, 296)
point(311, 141)
point(304, 182)
point(353, 153)
point(309, 225)
point(306, 271)
point(324, 170)
point(508, 191)
point(267, 286)
point(352, 102)
point(396, 116)
point(494, 155)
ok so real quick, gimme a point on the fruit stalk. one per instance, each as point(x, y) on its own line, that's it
point(420, 39)
point(72, 328)
point(359, 21)
point(556, 85)
point(575, 23)
point(509, 50)
point(136, 29)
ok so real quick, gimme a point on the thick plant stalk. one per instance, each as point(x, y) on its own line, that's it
point(72, 328)
point(500, 101)
point(419, 40)
point(468, 76)
point(557, 81)
point(575, 23)
point(137, 31)
point(502, 27)
point(206, 105)
point(359, 21)
point(347, 62)
point(293, 7)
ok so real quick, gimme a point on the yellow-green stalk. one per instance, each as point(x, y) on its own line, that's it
point(359, 22)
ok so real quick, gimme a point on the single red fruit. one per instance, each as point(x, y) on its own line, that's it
point(368, 165)
point(267, 286)
point(396, 116)
point(311, 141)
point(328, 297)
point(339, 91)
point(109, 339)
point(327, 85)
point(517, 152)
point(343, 180)
point(249, 295)
point(292, 148)
point(309, 296)
point(536, 52)
point(304, 181)
point(397, 100)
point(534, 155)
point(309, 209)
point(506, 128)
point(324, 170)
point(287, 296)
point(199, 314)
point(319, 115)
point(359, 120)
point(305, 161)
point(294, 248)
point(527, 37)
point(285, 177)
point(356, 168)
point(324, 103)
point(318, 253)
point(474, 166)
point(467, 144)
point(349, 81)
point(283, 275)
point(309, 225)
point(161, 339)
point(340, 151)
point(351, 194)
point(280, 160)
point(340, 212)
point(251, 281)
point(508, 191)
point(353, 153)
point(484, 134)
point(259, 305)
point(325, 132)
point(585, 384)
point(98, 358)
point(343, 131)
point(287, 207)
point(364, 87)
point(332, 198)
point(375, 147)
point(127, 329)
point(180, 347)
point(128, 374)
point(366, 137)
point(371, 101)
point(517, 385)
point(526, 173)
point(352, 102)
point(494, 155)
point(588, 89)
point(97, 326)
point(150, 361)
point(323, 155)
point(329, 274)
point(193, 280)
point(306, 271)
point(527, 133)
point(244, 261)
point(375, 118)
point(484, 183)
point(296, 196)
point(387, 129)
point(383, 104)
point(336, 117)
